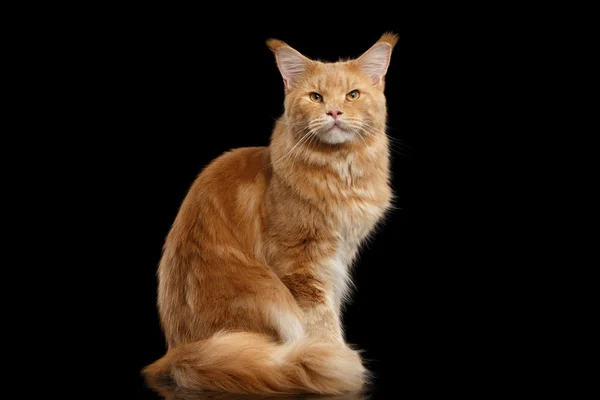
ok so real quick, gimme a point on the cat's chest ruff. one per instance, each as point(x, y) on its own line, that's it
point(346, 170)
point(353, 224)
point(357, 203)
point(355, 221)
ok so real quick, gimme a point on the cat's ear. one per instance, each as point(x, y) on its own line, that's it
point(375, 61)
point(290, 62)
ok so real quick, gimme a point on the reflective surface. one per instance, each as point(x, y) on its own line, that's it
point(176, 393)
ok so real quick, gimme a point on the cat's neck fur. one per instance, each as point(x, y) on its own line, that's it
point(314, 169)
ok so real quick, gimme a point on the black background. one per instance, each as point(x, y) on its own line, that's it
point(174, 93)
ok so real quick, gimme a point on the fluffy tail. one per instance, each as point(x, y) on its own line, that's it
point(253, 363)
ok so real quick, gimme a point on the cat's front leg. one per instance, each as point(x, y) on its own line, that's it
point(314, 294)
point(304, 256)
point(322, 320)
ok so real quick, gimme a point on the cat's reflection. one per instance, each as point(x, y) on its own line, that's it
point(186, 394)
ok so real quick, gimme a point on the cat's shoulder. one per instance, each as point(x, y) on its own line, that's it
point(242, 154)
point(238, 161)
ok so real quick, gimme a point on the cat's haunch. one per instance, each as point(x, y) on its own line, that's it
point(256, 267)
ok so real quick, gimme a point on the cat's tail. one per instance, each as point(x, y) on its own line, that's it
point(253, 363)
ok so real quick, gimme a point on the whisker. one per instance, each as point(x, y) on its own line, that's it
point(359, 129)
point(397, 150)
point(360, 135)
point(311, 135)
point(296, 133)
point(388, 127)
point(292, 124)
point(320, 119)
point(311, 141)
point(374, 127)
point(292, 149)
point(396, 141)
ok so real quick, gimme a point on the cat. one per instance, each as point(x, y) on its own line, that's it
point(256, 267)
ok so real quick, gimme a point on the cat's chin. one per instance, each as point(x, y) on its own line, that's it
point(337, 135)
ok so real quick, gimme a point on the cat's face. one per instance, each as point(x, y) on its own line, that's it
point(335, 102)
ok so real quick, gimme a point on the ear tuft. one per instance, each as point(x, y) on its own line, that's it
point(389, 37)
point(274, 44)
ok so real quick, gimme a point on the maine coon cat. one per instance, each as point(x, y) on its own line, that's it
point(255, 268)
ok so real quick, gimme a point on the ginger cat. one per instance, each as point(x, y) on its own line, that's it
point(255, 268)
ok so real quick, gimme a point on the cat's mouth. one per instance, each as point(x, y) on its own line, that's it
point(336, 132)
point(337, 124)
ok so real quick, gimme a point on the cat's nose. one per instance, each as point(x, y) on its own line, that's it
point(334, 113)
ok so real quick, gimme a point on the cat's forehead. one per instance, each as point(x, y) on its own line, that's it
point(339, 75)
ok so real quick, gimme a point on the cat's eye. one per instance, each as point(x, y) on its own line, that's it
point(316, 97)
point(353, 95)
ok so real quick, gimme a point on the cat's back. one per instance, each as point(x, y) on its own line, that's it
point(228, 190)
point(241, 165)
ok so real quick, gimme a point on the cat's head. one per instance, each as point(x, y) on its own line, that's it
point(339, 102)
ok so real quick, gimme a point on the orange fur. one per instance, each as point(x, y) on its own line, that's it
point(255, 268)
point(390, 38)
point(254, 363)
